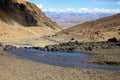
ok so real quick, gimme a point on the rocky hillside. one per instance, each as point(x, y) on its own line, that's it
point(20, 12)
point(110, 23)
point(98, 30)
point(23, 20)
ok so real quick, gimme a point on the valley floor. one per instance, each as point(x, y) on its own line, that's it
point(17, 68)
point(34, 41)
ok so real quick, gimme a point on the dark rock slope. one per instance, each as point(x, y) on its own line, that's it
point(24, 13)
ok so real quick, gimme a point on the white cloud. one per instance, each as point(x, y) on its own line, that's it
point(118, 3)
point(40, 6)
point(83, 10)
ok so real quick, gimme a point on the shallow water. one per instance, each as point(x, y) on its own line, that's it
point(55, 53)
point(63, 59)
point(23, 45)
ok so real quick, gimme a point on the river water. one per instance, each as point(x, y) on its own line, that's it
point(63, 59)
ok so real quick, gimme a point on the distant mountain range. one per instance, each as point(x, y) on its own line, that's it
point(69, 19)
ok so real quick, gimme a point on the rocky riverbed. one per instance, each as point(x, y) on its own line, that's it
point(83, 46)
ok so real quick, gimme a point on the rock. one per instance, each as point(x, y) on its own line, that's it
point(66, 33)
point(108, 63)
point(72, 39)
point(81, 46)
point(8, 47)
point(113, 40)
point(0, 44)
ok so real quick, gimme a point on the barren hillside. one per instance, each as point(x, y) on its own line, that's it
point(20, 19)
point(24, 13)
point(98, 30)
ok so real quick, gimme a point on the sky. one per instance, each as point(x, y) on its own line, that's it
point(108, 6)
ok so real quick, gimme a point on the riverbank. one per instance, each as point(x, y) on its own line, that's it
point(104, 53)
point(16, 68)
point(82, 46)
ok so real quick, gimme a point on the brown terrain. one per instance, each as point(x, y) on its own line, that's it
point(23, 22)
point(68, 24)
point(93, 31)
point(20, 19)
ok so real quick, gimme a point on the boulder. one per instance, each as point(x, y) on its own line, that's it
point(113, 40)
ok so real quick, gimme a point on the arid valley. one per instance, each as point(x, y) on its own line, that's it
point(35, 47)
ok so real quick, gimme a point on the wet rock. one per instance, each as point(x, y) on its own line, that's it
point(108, 63)
point(118, 44)
point(8, 47)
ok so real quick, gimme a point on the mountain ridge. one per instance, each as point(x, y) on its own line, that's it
point(24, 13)
point(20, 19)
point(93, 31)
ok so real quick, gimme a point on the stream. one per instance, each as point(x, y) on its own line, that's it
point(63, 59)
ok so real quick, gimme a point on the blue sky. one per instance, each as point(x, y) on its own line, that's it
point(111, 4)
point(77, 4)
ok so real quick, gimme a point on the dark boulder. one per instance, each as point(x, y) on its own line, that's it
point(113, 40)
